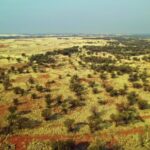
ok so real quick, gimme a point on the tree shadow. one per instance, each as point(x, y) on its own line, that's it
point(24, 112)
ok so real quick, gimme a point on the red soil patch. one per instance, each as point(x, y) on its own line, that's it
point(22, 141)
point(31, 105)
point(110, 102)
point(146, 117)
point(138, 130)
point(22, 107)
point(26, 106)
point(45, 76)
point(106, 83)
point(3, 45)
point(3, 109)
point(78, 109)
point(57, 110)
point(56, 125)
point(21, 79)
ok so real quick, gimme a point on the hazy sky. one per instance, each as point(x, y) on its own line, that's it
point(75, 16)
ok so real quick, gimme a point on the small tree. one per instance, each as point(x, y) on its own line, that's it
point(31, 80)
point(114, 93)
point(94, 111)
point(137, 85)
point(125, 87)
point(12, 119)
point(132, 98)
point(19, 90)
point(48, 100)
point(34, 96)
point(59, 99)
point(7, 85)
point(113, 75)
point(39, 88)
point(143, 104)
point(64, 108)
point(16, 101)
point(69, 124)
point(95, 120)
point(12, 109)
point(46, 114)
point(18, 60)
point(95, 90)
point(122, 92)
point(103, 76)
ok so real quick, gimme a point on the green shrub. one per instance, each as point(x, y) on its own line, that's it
point(132, 98)
point(114, 93)
point(26, 123)
point(16, 101)
point(95, 90)
point(19, 90)
point(143, 104)
point(48, 100)
point(137, 85)
point(103, 76)
point(46, 114)
point(34, 96)
point(109, 88)
point(69, 124)
point(113, 75)
point(12, 109)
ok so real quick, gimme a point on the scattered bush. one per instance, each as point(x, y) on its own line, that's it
point(137, 85)
point(19, 90)
point(46, 114)
point(143, 104)
point(132, 98)
point(69, 124)
point(125, 115)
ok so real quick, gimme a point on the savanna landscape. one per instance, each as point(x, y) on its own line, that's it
point(75, 93)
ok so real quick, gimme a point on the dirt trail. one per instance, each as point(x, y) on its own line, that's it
point(3, 109)
point(4, 45)
point(21, 141)
point(24, 106)
point(146, 117)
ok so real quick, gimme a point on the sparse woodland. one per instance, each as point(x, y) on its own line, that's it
point(88, 96)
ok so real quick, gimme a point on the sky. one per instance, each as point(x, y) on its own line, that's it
point(75, 16)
